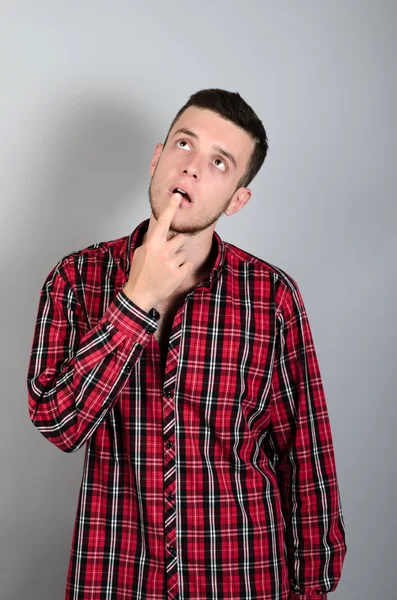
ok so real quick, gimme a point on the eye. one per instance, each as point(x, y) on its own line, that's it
point(221, 161)
point(182, 142)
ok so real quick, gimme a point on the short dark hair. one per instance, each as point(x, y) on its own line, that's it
point(231, 106)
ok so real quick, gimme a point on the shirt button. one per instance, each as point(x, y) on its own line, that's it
point(172, 549)
point(170, 444)
point(155, 314)
point(170, 496)
point(168, 393)
point(128, 368)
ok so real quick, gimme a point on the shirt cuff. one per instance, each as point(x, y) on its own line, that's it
point(130, 318)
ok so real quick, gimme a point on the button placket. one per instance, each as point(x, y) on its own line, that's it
point(169, 488)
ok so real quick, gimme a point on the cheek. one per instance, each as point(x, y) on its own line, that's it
point(170, 162)
point(161, 171)
point(222, 183)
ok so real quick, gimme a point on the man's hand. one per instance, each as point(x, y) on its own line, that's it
point(159, 265)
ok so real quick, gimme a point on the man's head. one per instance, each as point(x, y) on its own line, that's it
point(215, 146)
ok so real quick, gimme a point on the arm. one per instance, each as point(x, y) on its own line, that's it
point(76, 373)
point(301, 447)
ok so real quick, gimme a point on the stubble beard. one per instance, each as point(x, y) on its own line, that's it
point(201, 221)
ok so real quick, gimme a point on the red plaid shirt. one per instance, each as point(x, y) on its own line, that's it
point(213, 479)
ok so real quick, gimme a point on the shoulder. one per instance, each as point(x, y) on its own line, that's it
point(98, 250)
point(287, 295)
point(75, 264)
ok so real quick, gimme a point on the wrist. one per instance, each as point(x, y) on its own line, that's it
point(144, 302)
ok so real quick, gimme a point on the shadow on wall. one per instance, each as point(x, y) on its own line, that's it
point(80, 168)
point(98, 155)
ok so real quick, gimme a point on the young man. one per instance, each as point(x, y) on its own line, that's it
point(187, 368)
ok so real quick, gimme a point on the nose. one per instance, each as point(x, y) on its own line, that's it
point(191, 170)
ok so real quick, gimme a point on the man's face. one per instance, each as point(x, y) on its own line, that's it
point(206, 160)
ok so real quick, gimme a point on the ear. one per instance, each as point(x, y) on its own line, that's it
point(239, 199)
point(155, 159)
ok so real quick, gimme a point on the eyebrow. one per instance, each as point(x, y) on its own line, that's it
point(217, 148)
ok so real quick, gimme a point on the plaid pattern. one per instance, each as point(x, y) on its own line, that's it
point(215, 479)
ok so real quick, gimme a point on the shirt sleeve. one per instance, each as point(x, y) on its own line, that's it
point(76, 373)
point(301, 447)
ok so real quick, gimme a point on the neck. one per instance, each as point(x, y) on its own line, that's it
point(201, 250)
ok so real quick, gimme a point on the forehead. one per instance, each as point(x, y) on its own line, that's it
point(212, 129)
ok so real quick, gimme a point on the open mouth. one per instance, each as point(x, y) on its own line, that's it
point(183, 193)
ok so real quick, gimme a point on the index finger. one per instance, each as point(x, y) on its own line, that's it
point(166, 216)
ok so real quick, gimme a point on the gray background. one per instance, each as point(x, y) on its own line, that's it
point(87, 89)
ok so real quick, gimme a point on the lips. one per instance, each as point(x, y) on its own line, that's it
point(183, 191)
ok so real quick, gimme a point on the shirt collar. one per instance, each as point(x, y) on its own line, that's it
point(135, 239)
